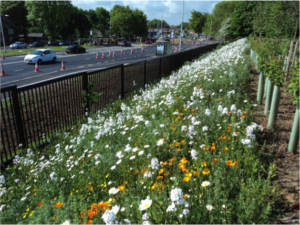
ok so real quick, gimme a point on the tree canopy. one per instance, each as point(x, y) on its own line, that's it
point(197, 21)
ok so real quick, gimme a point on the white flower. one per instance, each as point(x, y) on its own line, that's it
point(171, 208)
point(113, 167)
point(209, 207)
point(233, 108)
point(194, 154)
point(109, 216)
point(147, 174)
point(2, 207)
point(180, 215)
point(204, 128)
point(160, 142)
point(115, 209)
point(17, 180)
point(145, 223)
point(154, 163)
point(162, 125)
point(207, 112)
point(223, 206)
point(225, 111)
point(185, 211)
point(205, 183)
point(146, 146)
point(145, 204)
point(141, 152)
point(132, 157)
point(113, 191)
point(67, 222)
point(176, 194)
point(127, 221)
point(2, 179)
point(184, 128)
point(145, 216)
point(119, 161)
point(53, 176)
point(122, 209)
point(246, 141)
point(23, 199)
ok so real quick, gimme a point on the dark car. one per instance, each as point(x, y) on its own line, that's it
point(75, 49)
point(125, 43)
point(52, 42)
point(64, 43)
point(37, 44)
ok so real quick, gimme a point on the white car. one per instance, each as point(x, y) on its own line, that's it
point(40, 56)
point(18, 44)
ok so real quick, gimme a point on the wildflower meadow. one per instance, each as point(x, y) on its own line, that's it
point(181, 151)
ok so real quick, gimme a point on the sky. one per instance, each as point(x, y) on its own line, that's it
point(168, 10)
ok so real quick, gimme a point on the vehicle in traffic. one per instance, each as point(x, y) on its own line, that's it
point(148, 42)
point(75, 49)
point(37, 44)
point(53, 42)
point(126, 43)
point(40, 56)
point(18, 44)
point(64, 43)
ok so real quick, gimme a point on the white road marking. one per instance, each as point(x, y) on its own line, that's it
point(19, 70)
point(80, 66)
point(87, 58)
point(90, 64)
point(13, 63)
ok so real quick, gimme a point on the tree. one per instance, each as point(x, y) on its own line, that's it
point(17, 12)
point(122, 21)
point(51, 16)
point(102, 23)
point(197, 21)
point(140, 19)
point(241, 19)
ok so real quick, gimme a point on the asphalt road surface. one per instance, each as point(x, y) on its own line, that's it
point(19, 73)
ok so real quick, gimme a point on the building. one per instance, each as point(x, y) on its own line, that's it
point(32, 37)
point(10, 31)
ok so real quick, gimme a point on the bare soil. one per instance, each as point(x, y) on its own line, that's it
point(277, 140)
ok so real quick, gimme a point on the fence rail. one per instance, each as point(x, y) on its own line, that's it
point(31, 114)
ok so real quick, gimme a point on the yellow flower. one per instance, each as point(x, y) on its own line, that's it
point(186, 179)
point(203, 164)
point(188, 174)
point(161, 171)
point(206, 171)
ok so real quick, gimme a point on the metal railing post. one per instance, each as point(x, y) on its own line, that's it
point(19, 122)
point(85, 88)
point(122, 82)
point(145, 74)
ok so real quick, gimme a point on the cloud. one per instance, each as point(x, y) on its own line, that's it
point(171, 10)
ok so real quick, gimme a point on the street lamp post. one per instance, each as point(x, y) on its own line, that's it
point(161, 26)
point(2, 33)
point(110, 21)
point(210, 30)
point(181, 25)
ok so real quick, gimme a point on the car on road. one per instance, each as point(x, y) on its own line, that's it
point(37, 44)
point(53, 42)
point(148, 42)
point(18, 44)
point(75, 49)
point(40, 56)
point(125, 43)
point(64, 43)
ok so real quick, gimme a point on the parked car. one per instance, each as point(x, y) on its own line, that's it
point(148, 42)
point(75, 49)
point(64, 43)
point(37, 44)
point(52, 42)
point(40, 56)
point(125, 43)
point(18, 44)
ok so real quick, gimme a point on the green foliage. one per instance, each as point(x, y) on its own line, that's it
point(274, 71)
point(197, 21)
point(102, 22)
point(51, 16)
point(294, 82)
point(90, 96)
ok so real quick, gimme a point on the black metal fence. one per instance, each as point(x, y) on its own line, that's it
point(30, 114)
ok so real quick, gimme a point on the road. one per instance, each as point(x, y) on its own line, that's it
point(19, 73)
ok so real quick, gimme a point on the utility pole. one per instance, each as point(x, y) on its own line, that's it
point(161, 25)
point(3, 38)
point(210, 30)
point(181, 25)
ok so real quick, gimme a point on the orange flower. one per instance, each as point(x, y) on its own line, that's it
point(243, 116)
point(59, 205)
point(182, 142)
point(215, 160)
point(185, 196)
point(228, 130)
point(161, 186)
point(173, 159)
point(136, 172)
point(225, 149)
point(237, 132)
point(40, 203)
point(220, 137)
point(89, 221)
point(176, 144)
point(206, 171)
point(224, 138)
point(203, 164)
point(102, 205)
point(121, 187)
point(229, 113)
point(183, 160)
point(196, 173)
point(154, 186)
point(229, 162)
point(181, 166)
point(186, 179)
point(161, 171)
point(82, 158)
point(213, 148)
point(213, 144)
point(167, 173)
point(178, 150)
point(82, 213)
point(165, 163)
point(235, 162)
point(159, 178)
point(188, 174)
point(170, 164)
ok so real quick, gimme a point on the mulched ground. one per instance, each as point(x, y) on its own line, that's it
point(277, 140)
